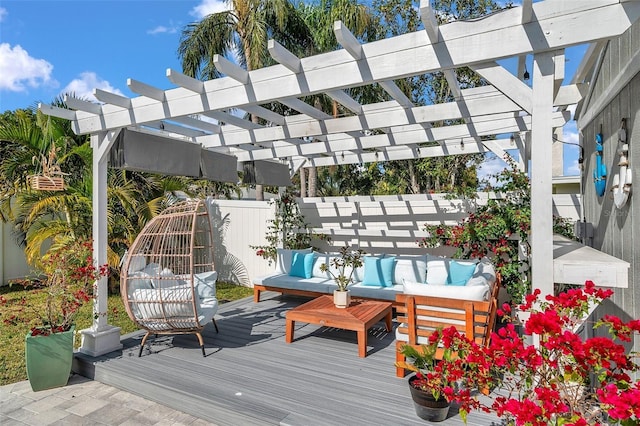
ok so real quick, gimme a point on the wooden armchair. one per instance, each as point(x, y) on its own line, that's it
point(420, 316)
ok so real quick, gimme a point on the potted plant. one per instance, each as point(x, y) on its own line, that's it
point(432, 379)
point(67, 280)
point(343, 268)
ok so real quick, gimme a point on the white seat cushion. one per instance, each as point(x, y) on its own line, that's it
point(475, 292)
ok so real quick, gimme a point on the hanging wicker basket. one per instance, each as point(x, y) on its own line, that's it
point(46, 183)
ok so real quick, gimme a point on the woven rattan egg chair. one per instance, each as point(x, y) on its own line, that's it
point(168, 276)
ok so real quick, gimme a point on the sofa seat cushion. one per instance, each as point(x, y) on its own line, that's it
point(475, 292)
point(321, 285)
point(382, 293)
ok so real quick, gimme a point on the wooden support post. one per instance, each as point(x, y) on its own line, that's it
point(541, 175)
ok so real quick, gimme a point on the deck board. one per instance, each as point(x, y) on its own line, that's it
point(250, 376)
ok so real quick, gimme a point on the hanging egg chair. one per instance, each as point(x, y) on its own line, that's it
point(168, 278)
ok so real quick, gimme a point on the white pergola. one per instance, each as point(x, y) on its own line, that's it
point(391, 130)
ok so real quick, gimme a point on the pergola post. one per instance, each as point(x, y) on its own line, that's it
point(100, 338)
point(541, 173)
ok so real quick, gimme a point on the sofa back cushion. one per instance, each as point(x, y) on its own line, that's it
point(327, 258)
point(484, 273)
point(412, 268)
point(284, 258)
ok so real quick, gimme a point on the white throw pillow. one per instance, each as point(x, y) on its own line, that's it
point(137, 263)
point(284, 257)
point(152, 269)
point(166, 278)
point(139, 279)
point(205, 283)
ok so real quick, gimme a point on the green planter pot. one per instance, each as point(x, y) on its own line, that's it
point(49, 359)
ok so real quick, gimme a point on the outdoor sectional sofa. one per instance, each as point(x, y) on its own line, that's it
point(424, 275)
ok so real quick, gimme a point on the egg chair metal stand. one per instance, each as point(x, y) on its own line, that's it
point(168, 277)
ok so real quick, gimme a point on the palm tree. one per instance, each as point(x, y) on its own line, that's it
point(242, 33)
point(319, 17)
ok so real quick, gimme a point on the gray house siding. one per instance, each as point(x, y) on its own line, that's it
point(616, 231)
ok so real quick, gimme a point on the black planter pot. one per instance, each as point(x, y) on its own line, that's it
point(427, 407)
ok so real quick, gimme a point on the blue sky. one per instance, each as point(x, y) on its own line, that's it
point(53, 47)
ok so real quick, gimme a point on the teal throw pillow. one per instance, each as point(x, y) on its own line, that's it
point(378, 272)
point(301, 265)
point(460, 273)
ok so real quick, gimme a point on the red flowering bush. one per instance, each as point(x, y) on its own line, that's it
point(498, 230)
point(563, 379)
point(68, 280)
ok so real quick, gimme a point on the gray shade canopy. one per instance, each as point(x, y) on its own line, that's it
point(218, 167)
point(266, 173)
point(144, 152)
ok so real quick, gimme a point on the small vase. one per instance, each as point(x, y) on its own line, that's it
point(426, 406)
point(341, 299)
point(49, 359)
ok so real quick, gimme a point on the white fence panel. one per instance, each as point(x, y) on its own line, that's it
point(13, 263)
point(238, 225)
point(377, 224)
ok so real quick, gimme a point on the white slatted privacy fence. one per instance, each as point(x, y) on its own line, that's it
point(377, 224)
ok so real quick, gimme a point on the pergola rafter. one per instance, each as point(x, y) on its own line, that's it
point(391, 130)
point(152, 108)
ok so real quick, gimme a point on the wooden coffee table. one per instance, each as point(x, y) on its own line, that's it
point(360, 316)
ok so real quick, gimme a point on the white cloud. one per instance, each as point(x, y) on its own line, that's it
point(492, 165)
point(570, 134)
point(207, 7)
point(3, 13)
point(161, 29)
point(82, 87)
point(19, 70)
point(573, 169)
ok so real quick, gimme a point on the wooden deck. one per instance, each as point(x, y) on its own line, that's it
point(250, 376)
